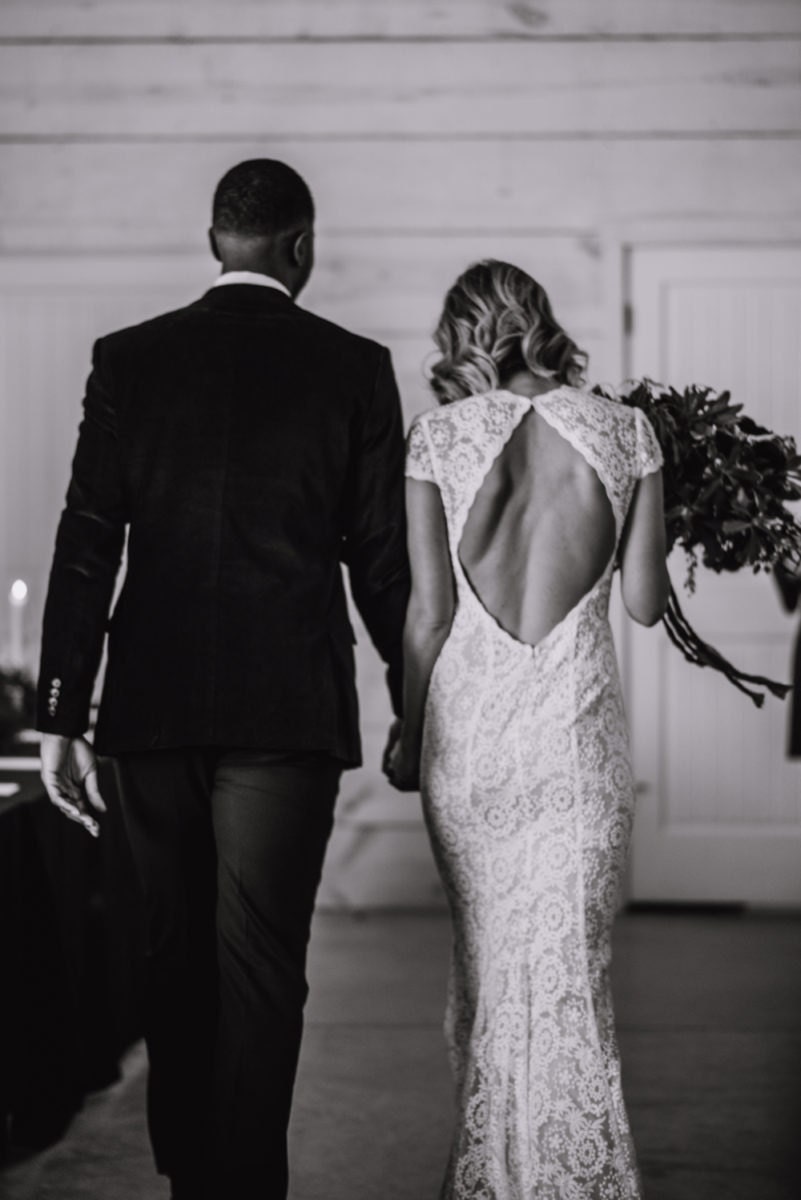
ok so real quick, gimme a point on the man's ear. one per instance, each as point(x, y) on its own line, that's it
point(214, 247)
point(301, 248)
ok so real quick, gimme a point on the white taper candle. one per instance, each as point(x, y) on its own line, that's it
point(17, 599)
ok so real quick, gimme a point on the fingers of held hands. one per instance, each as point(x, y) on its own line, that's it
point(392, 741)
point(403, 775)
point(389, 758)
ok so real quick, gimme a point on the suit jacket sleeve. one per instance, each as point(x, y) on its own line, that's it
point(375, 534)
point(87, 556)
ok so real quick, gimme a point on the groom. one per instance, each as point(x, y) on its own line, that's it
point(249, 448)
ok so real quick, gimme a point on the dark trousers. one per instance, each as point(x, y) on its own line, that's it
point(229, 846)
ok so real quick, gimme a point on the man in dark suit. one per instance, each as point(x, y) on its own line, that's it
point(249, 448)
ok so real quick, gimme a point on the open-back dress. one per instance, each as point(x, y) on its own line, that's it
point(528, 797)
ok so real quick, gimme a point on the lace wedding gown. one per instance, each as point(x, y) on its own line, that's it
point(528, 795)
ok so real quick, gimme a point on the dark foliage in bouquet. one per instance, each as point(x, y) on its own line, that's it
point(727, 484)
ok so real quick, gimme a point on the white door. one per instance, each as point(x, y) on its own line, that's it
point(719, 805)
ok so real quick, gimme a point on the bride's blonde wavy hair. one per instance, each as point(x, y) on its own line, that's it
point(497, 320)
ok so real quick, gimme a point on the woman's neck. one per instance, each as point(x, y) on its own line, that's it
point(523, 383)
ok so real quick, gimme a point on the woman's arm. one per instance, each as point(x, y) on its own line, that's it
point(428, 621)
point(645, 583)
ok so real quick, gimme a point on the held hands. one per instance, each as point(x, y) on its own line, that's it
point(69, 773)
point(400, 765)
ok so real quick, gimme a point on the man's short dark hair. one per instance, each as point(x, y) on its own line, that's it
point(261, 198)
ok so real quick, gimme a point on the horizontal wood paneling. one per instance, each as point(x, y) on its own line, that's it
point(396, 18)
point(378, 285)
point(387, 89)
point(387, 284)
point(103, 196)
point(71, 196)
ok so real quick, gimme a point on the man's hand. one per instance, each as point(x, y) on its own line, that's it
point(69, 773)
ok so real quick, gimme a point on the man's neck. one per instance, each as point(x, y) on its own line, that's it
point(247, 276)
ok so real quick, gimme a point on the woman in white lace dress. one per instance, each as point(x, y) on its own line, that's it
point(524, 492)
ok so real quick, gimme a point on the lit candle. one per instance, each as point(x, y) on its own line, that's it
point(17, 599)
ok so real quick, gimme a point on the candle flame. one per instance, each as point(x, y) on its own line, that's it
point(19, 592)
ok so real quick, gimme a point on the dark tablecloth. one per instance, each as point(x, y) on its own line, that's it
point(70, 959)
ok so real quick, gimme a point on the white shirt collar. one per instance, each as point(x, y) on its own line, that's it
point(251, 277)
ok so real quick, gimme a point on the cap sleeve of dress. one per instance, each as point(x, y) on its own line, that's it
point(649, 452)
point(419, 464)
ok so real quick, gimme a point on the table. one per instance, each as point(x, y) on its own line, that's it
point(71, 941)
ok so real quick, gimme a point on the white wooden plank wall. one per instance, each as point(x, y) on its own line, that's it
point(358, 20)
point(431, 134)
point(379, 89)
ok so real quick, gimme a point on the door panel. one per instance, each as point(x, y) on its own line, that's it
point(719, 809)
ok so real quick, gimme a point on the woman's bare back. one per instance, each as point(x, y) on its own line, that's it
point(540, 531)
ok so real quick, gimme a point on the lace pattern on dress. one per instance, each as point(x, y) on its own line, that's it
point(649, 452)
point(528, 797)
point(418, 453)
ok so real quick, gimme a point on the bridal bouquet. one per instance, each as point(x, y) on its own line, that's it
point(727, 485)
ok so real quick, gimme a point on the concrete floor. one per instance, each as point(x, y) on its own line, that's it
point(709, 1012)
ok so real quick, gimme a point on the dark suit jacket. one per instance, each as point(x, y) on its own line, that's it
point(250, 448)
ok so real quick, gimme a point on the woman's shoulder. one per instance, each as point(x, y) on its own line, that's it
point(441, 411)
point(452, 413)
point(607, 398)
point(458, 429)
point(602, 398)
point(606, 409)
point(623, 427)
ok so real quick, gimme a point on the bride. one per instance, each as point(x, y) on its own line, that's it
point(524, 493)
